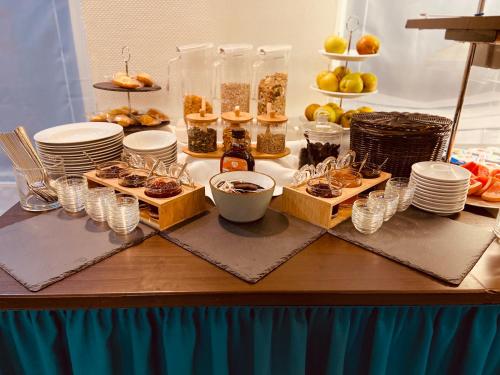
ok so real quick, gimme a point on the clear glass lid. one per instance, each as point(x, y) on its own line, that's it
point(274, 50)
point(321, 126)
point(194, 47)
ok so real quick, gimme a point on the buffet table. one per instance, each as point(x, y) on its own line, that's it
point(156, 308)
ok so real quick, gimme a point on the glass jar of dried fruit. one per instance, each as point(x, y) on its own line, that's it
point(234, 120)
point(202, 132)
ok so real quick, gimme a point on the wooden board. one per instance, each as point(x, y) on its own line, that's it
point(174, 210)
point(460, 23)
point(109, 86)
point(218, 154)
point(298, 202)
point(139, 128)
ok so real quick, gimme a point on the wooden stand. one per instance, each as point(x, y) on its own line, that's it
point(298, 202)
point(171, 211)
point(220, 151)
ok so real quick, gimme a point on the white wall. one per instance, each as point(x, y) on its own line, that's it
point(152, 29)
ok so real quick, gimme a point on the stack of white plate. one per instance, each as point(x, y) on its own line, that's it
point(158, 144)
point(440, 187)
point(101, 140)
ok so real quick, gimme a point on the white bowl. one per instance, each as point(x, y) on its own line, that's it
point(149, 140)
point(246, 207)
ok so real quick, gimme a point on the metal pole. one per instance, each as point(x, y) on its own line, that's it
point(463, 87)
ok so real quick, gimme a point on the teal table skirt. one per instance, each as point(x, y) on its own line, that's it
point(252, 340)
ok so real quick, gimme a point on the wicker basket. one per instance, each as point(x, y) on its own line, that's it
point(404, 138)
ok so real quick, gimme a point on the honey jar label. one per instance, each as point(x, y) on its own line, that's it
point(234, 164)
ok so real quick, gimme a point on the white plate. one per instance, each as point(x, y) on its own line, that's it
point(353, 55)
point(431, 185)
point(78, 133)
point(150, 140)
point(441, 197)
point(441, 193)
point(439, 205)
point(80, 153)
point(438, 185)
point(474, 200)
point(86, 146)
point(439, 212)
point(338, 94)
point(440, 171)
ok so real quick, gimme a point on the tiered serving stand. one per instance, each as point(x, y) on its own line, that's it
point(352, 25)
point(109, 86)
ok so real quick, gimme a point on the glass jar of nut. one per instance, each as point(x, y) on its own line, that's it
point(233, 75)
point(271, 132)
point(202, 131)
point(236, 120)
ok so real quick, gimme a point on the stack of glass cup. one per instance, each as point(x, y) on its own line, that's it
point(123, 213)
point(71, 191)
point(405, 189)
point(367, 218)
point(389, 199)
point(98, 201)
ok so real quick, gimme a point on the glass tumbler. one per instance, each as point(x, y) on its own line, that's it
point(405, 188)
point(71, 191)
point(32, 189)
point(97, 202)
point(365, 219)
point(124, 214)
point(389, 200)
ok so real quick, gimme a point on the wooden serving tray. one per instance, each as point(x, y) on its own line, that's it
point(298, 202)
point(174, 210)
point(218, 154)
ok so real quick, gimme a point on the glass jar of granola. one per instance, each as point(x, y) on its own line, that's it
point(236, 120)
point(233, 72)
point(271, 73)
point(271, 132)
point(202, 132)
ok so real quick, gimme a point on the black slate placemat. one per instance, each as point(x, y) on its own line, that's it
point(46, 248)
point(438, 246)
point(248, 251)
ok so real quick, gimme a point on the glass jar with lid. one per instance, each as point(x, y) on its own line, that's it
point(323, 140)
point(236, 120)
point(233, 72)
point(271, 77)
point(202, 131)
point(196, 74)
point(271, 132)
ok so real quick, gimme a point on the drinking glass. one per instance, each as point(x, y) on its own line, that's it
point(71, 191)
point(97, 202)
point(405, 188)
point(31, 190)
point(365, 219)
point(124, 214)
point(389, 200)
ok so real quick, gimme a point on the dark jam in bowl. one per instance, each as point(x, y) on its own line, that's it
point(162, 187)
point(369, 170)
point(111, 169)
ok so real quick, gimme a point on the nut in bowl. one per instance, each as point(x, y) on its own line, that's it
point(242, 196)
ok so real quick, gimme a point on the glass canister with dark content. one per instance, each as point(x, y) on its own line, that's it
point(271, 132)
point(236, 120)
point(323, 140)
point(202, 132)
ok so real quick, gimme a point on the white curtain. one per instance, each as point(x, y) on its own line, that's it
point(419, 70)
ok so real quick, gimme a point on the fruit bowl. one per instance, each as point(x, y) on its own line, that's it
point(353, 55)
point(338, 94)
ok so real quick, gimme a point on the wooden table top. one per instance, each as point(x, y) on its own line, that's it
point(330, 271)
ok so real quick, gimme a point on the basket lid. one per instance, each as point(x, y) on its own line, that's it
point(237, 116)
point(412, 123)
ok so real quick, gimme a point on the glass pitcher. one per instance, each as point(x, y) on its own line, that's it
point(271, 77)
point(196, 61)
point(233, 76)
